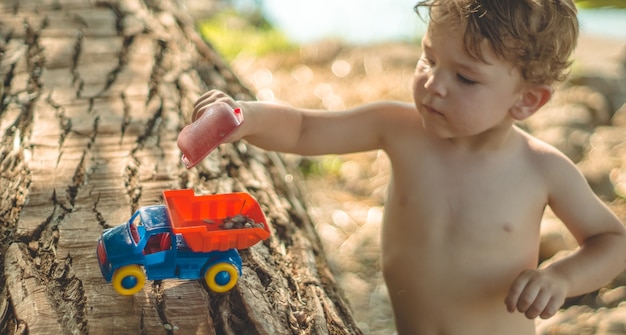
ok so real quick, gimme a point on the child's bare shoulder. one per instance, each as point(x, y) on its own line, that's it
point(394, 109)
point(539, 148)
point(395, 119)
point(549, 161)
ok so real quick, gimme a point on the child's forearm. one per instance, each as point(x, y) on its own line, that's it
point(271, 126)
point(599, 259)
point(541, 292)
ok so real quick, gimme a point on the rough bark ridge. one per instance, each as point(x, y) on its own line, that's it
point(93, 96)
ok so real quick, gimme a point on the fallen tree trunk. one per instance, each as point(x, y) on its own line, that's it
point(94, 95)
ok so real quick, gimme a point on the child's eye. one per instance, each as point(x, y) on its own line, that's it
point(427, 61)
point(424, 64)
point(465, 80)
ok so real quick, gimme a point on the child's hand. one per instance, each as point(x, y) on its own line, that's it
point(209, 98)
point(537, 293)
point(216, 118)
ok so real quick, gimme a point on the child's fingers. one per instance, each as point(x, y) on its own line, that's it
point(207, 99)
point(515, 291)
point(528, 298)
point(538, 305)
point(553, 306)
point(534, 295)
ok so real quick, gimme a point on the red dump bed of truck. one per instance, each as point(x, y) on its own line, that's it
point(206, 221)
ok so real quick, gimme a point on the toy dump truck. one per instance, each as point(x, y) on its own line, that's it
point(189, 237)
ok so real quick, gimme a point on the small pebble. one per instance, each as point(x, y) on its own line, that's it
point(240, 221)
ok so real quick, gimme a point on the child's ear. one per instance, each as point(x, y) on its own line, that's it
point(531, 99)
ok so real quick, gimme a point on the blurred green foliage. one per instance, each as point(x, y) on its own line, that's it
point(601, 3)
point(328, 165)
point(231, 32)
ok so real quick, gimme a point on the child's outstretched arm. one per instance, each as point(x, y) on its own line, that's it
point(600, 234)
point(270, 126)
point(284, 128)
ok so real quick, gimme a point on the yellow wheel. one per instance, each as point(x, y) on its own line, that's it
point(128, 279)
point(221, 277)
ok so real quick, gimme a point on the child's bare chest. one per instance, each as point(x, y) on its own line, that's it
point(458, 231)
point(472, 220)
point(474, 191)
point(459, 239)
point(471, 209)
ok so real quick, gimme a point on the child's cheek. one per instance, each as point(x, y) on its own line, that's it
point(419, 80)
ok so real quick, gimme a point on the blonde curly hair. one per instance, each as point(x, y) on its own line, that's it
point(536, 36)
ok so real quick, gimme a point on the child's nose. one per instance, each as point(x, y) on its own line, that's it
point(435, 84)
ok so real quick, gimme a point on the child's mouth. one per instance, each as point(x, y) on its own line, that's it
point(431, 110)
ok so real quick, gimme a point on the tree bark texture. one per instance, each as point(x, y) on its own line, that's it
point(94, 94)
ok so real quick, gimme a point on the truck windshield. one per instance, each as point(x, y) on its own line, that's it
point(135, 229)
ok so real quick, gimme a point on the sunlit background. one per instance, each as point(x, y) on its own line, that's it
point(358, 21)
